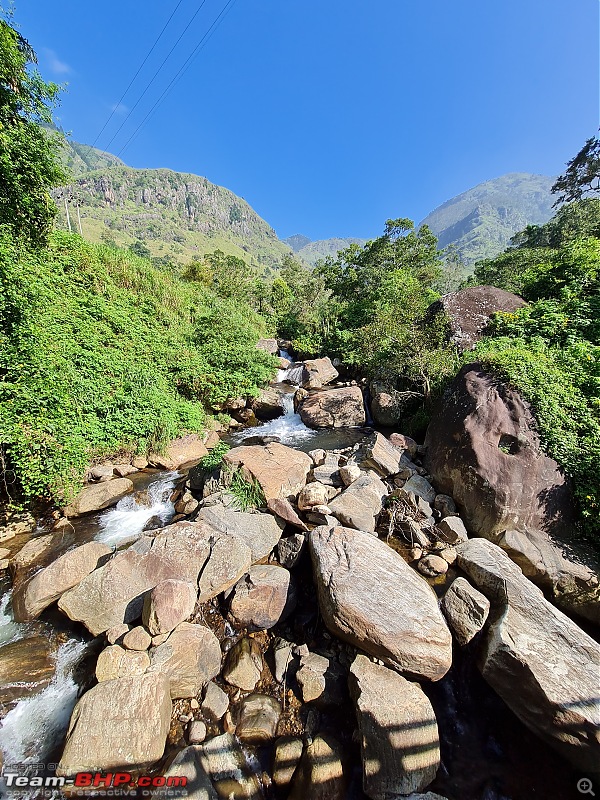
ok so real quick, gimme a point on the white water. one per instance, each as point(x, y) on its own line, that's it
point(10, 630)
point(289, 428)
point(127, 520)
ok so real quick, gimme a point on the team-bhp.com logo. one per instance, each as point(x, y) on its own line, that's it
point(93, 780)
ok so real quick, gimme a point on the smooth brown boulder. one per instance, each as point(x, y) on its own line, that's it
point(26, 667)
point(466, 610)
point(370, 597)
point(333, 408)
point(191, 657)
point(263, 597)
point(280, 470)
point(181, 452)
point(268, 404)
point(99, 496)
point(318, 372)
point(169, 603)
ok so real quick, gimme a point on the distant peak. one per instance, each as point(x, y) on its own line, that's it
point(297, 241)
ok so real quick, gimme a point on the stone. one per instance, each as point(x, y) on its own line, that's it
point(452, 530)
point(328, 472)
point(115, 634)
point(376, 453)
point(196, 732)
point(190, 658)
point(27, 666)
point(103, 472)
point(182, 452)
point(448, 554)
point(97, 497)
point(137, 638)
point(318, 372)
point(244, 664)
point(321, 680)
point(225, 763)
point(445, 505)
point(268, 404)
point(230, 557)
point(403, 442)
point(313, 494)
point(421, 487)
point(318, 456)
point(61, 575)
point(118, 724)
point(389, 407)
point(139, 462)
point(334, 408)
point(258, 717)
point(116, 662)
point(186, 504)
point(349, 473)
point(358, 506)
point(123, 470)
point(260, 532)
point(16, 523)
point(288, 752)
point(398, 731)
point(290, 548)
point(169, 603)
point(215, 702)
point(268, 345)
point(263, 597)
point(284, 509)
point(371, 598)
point(187, 764)
point(283, 658)
point(280, 470)
point(539, 661)
point(320, 774)
point(466, 610)
point(432, 566)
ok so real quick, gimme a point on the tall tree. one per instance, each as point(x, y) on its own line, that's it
point(582, 177)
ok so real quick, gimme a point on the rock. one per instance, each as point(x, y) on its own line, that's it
point(542, 664)
point(469, 311)
point(258, 718)
point(268, 345)
point(137, 639)
point(116, 633)
point(120, 724)
point(103, 472)
point(190, 658)
point(97, 497)
point(320, 774)
point(196, 732)
point(244, 664)
point(288, 752)
point(187, 764)
point(284, 509)
point(225, 763)
point(116, 662)
point(281, 471)
point(328, 472)
point(16, 523)
point(422, 488)
point(215, 702)
point(284, 363)
point(268, 404)
point(321, 680)
point(66, 572)
point(139, 462)
point(359, 505)
point(318, 372)
point(318, 456)
point(445, 505)
point(186, 504)
point(290, 548)
point(313, 494)
point(398, 729)
point(114, 593)
point(169, 603)
point(466, 610)
point(260, 532)
point(378, 454)
point(283, 658)
point(334, 408)
point(230, 557)
point(181, 452)
point(432, 566)
point(403, 442)
point(349, 473)
point(123, 470)
point(448, 554)
point(26, 667)
point(452, 530)
point(389, 407)
point(263, 597)
point(370, 597)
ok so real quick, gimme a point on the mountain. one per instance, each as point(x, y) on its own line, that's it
point(297, 241)
point(310, 252)
point(479, 223)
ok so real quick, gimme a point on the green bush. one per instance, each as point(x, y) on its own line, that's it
point(213, 460)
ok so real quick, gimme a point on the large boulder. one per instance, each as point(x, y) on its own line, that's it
point(181, 452)
point(260, 532)
point(268, 404)
point(191, 657)
point(469, 311)
point(389, 406)
point(358, 506)
point(26, 667)
point(398, 729)
point(541, 663)
point(168, 604)
point(466, 610)
point(230, 557)
point(333, 408)
point(280, 470)
point(379, 454)
point(483, 449)
point(370, 597)
point(99, 496)
point(120, 724)
point(263, 597)
point(318, 372)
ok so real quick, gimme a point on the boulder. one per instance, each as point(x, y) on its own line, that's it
point(389, 407)
point(137, 638)
point(370, 597)
point(452, 529)
point(61, 575)
point(334, 408)
point(284, 509)
point(268, 345)
point(349, 473)
point(244, 664)
point(376, 453)
point(181, 452)
point(313, 494)
point(187, 764)
point(116, 662)
point(421, 487)
point(405, 443)
point(539, 661)
point(230, 557)
point(358, 506)
point(268, 404)
point(280, 470)
point(318, 372)
point(120, 724)
point(290, 548)
point(190, 658)
point(263, 597)
point(468, 312)
point(101, 473)
point(169, 603)
point(224, 761)
point(26, 667)
point(432, 566)
point(288, 752)
point(398, 731)
point(260, 532)
point(215, 702)
point(321, 680)
point(99, 496)
point(320, 774)
point(466, 610)
point(328, 471)
point(258, 717)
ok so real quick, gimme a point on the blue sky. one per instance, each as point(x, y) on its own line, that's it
point(330, 116)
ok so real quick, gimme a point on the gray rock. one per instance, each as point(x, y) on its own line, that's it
point(187, 764)
point(168, 604)
point(289, 549)
point(244, 664)
point(215, 702)
point(328, 473)
point(190, 658)
point(258, 718)
point(283, 658)
point(230, 557)
point(196, 731)
point(280, 470)
point(318, 456)
point(452, 530)
point(260, 532)
point(263, 597)
point(422, 488)
point(284, 509)
point(358, 506)
point(466, 610)
point(288, 752)
point(224, 761)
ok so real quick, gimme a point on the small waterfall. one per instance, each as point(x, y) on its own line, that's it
point(294, 374)
point(129, 517)
point(10, 630)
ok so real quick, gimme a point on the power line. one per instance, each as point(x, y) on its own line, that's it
point(224, 11)
point(153, 78)
point(131, 82)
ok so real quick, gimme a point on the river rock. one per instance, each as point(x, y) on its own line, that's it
point(116, 662)
point(288, 752)
point(268, 404)
point(452, 529)
point(328, 471)
point(99, 496)
point(318, 372)
point(187, 764)
point(290, 548)
point(466, 610)
point(190, 657)
point(244, 664)
point(313, 494)
point(321, 680)
point(181, 452)
point(230, 557)
point(280, 470)
point(284, 509)
point(376, 453)
point(405, 443)
point(370, 597)
point(541, 663)
point(50, 583)
point(225, 763)
point(359, 505)
point(258, 717)
point(398, 729)
point(268, 345)
point(120, 724)
point(123, 470)
point(169, 603)
point(260, 532)
point(334, 408)
point(432, 565)
point(196, 731)
point(263, 597)
point(421, 488)
point(320, 774)
point(215, 702)
point(389, 406)
point(26, 667)
point(103, 472)
point(349, 473)
point(137, 638)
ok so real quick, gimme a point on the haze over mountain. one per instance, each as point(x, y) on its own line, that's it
point(311, 252)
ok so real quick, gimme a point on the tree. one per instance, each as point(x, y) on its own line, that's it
point(582, 176)
point(28, 154)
